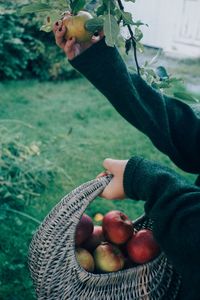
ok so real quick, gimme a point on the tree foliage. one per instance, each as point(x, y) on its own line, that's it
point(111, 17)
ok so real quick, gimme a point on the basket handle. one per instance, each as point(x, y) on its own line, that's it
point(60, 225)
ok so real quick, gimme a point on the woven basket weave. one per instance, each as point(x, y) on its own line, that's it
point(57, 275)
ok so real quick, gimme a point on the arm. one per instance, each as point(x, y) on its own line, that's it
point(170, 201)
point(171, 125)
point(174, 206)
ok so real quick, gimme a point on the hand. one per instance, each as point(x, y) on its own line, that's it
point(71, 47)
point(115, 189)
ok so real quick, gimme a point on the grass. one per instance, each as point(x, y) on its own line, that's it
point(76, 129)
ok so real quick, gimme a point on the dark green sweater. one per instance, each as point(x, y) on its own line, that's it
point(174, 128)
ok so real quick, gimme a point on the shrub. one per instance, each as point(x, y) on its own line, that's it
point(25, 52)
point(24, 174)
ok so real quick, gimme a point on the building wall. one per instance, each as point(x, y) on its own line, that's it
point(174, 25)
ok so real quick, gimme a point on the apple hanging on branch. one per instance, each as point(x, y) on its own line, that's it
point(82, 21)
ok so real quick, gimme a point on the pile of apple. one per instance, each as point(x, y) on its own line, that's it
point(113, 246)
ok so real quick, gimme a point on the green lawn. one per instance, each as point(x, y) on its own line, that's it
point(76, 129)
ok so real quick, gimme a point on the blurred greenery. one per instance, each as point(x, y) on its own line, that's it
point(57, 133)
point(25, 51)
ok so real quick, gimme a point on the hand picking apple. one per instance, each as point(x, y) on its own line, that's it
point(71, 35)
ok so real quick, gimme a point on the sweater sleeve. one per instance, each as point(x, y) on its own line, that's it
point(172, 126)
point(173, 204)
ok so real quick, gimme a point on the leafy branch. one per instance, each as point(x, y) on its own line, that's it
point(109, 16)
point(130, 40)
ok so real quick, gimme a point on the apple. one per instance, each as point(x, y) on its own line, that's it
point(84, 229)
point(117, 227)
point(95, 239)
point(142, 247)
point(85, 259)
point(108, 258)
point(98, 217)
point(75, 25)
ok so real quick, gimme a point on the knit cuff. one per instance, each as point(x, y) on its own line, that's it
point(96, 54)
point(130, 178)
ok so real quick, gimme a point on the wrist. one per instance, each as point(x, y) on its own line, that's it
point(129, 177)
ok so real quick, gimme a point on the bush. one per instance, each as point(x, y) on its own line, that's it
point(25, 51)
point(24, 175)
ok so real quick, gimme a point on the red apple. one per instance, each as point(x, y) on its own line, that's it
point(117, 227)
point(142, 247)
point(84, 229)
point(108, 258)
point(85, 259)
point(95, 239)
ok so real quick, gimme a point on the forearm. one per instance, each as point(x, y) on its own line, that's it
point(162, 119)
point(172, 203)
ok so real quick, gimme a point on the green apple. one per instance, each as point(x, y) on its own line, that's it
point(108, 258)
point(85, 259)
point(76, 26)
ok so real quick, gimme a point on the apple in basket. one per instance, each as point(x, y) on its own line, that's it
point(85, 259)
point(95, 239)
point(108, 258)
point(142, 247)
point(117, 227)
point(84, 229)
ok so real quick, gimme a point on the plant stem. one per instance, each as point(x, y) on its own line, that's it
point(132, 39)
point(24, 215)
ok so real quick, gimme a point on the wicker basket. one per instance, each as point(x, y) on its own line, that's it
point(57, 275)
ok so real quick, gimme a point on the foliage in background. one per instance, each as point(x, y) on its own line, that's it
point(24, 175)
point(24, 51)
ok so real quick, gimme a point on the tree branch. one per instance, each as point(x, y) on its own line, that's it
point(132, 38)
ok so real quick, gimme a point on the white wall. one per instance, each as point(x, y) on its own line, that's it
point(174, 25)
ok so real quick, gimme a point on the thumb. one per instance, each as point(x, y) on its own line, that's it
point(110, 165)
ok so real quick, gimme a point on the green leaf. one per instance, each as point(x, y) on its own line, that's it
point(101, 10)
point(49, 21)
point(185, 96)
point(95, 24)
point(138, 34)
point(155, 58)
point(63, 2)
point(140, 47)
point(139, 23)
point(130, 1)
point(162, 73)
point(77, 5)
point(46, 27)
point(111, 30)
point(127, 18)
point(36, 7)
